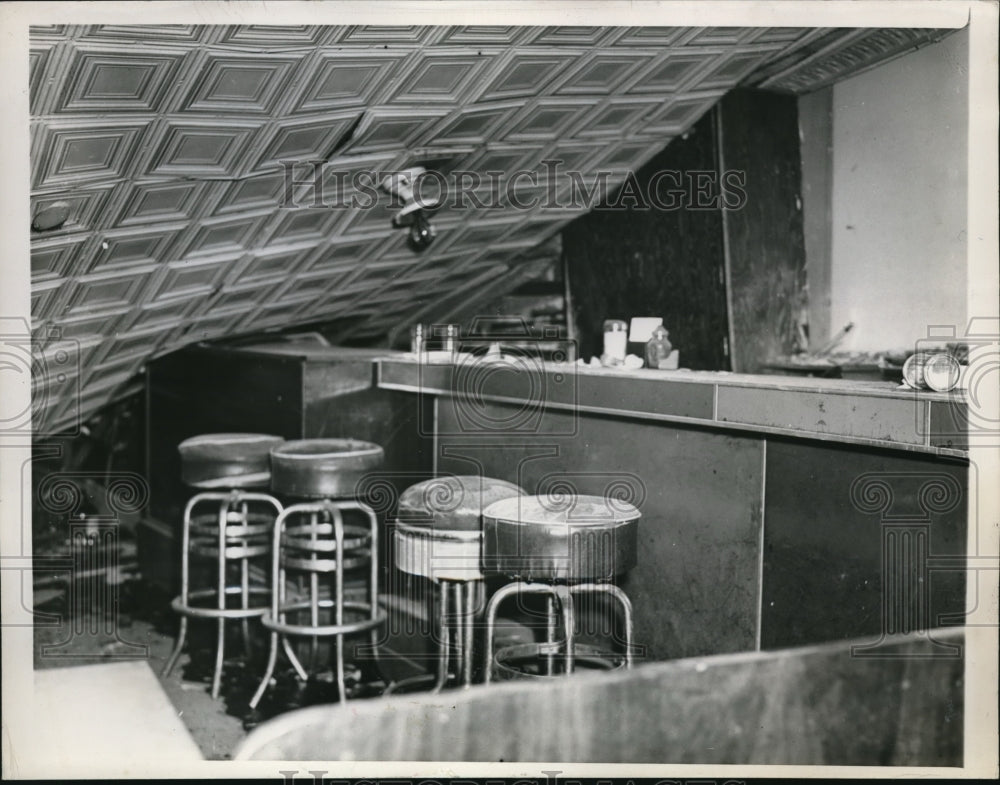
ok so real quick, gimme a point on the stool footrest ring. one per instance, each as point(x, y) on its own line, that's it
point(286, 628)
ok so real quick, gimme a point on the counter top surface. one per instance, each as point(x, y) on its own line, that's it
point(876, 413)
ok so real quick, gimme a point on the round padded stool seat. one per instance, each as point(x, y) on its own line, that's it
point(439, 525)
point(323, 468)
point(571, 538)
point(227, 460)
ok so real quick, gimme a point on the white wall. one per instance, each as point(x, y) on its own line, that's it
point(898, 258)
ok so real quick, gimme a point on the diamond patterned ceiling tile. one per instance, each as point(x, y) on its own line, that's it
point(312, 286)
point(385, 129)
point(142, 34)
point(546, 118)
point(206, 147)
point(504, 158)
point(474, 124)
point(107, 291)
point(188, 278)
point(259, 192)
point(655, 36)
point(730, 68)
point(602, 72)
point(390, 34)
point(41, 70)
point(87, 205)
point(677, 115)
point(131, 247)
point(281, 313)
point(442, 76)
point(616, 117)
point(54, 257)
point(103, 80)
point(580, 35)
point(72, 152)
point(346, 253)
point(525, 72)
point(276, 264)
point(302, 224)
point(246, 297)
point(722, 35)
point(671, 71)
point(240, 83)
point(156, 202)
point(308, 138)
point(47, 297)
point(104, 323)
point(223, 234)
point(487, 34)
point(344, 78)
point(165, 314)
point(273, 35)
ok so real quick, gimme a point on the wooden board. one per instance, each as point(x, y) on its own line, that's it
point(812, 706)
point(765, 252)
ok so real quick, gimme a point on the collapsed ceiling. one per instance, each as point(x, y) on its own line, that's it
point(165, 154)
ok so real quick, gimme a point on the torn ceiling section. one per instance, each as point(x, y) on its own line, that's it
point(164, 209)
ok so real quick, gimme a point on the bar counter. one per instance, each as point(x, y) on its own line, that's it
point(878, 414)
point(776, 511)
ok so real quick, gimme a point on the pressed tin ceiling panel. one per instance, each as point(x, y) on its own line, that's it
point(167, 143)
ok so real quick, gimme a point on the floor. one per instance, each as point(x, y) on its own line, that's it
point(112, 616)
point(96, 609)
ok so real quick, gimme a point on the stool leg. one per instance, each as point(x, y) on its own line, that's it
point(272, 659)
point(245, 585)
point(566, 604)
point(313, 597)
point(490, 622)
point(551, 627)
point(442, 674)
point(626, 604)
point(220, 643)
point(181, 635)
point(338, 531)
point(467, 630)
point(185, 545)
point(456, 628)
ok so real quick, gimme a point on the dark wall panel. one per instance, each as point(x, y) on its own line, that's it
point(695, 588)
point(655, 262)
point(759, 135)
point(823, 562)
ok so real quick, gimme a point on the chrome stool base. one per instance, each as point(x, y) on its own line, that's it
point(466, 596)
point(308, 549)
point(566, 650)
point(235, 537)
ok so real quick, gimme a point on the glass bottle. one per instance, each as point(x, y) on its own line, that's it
point(657, 347)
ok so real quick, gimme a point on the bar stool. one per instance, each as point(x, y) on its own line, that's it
point(438, 536)
point(558, 547)
point(232, 525)
point(311, 539)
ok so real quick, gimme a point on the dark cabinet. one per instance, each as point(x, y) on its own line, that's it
point(293, 392)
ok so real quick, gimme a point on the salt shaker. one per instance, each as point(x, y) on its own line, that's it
point(615, 342)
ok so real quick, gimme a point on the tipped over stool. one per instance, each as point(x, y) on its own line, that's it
point(313, 540)
point(231, 522)
point(559, 547)
point(438, 536)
